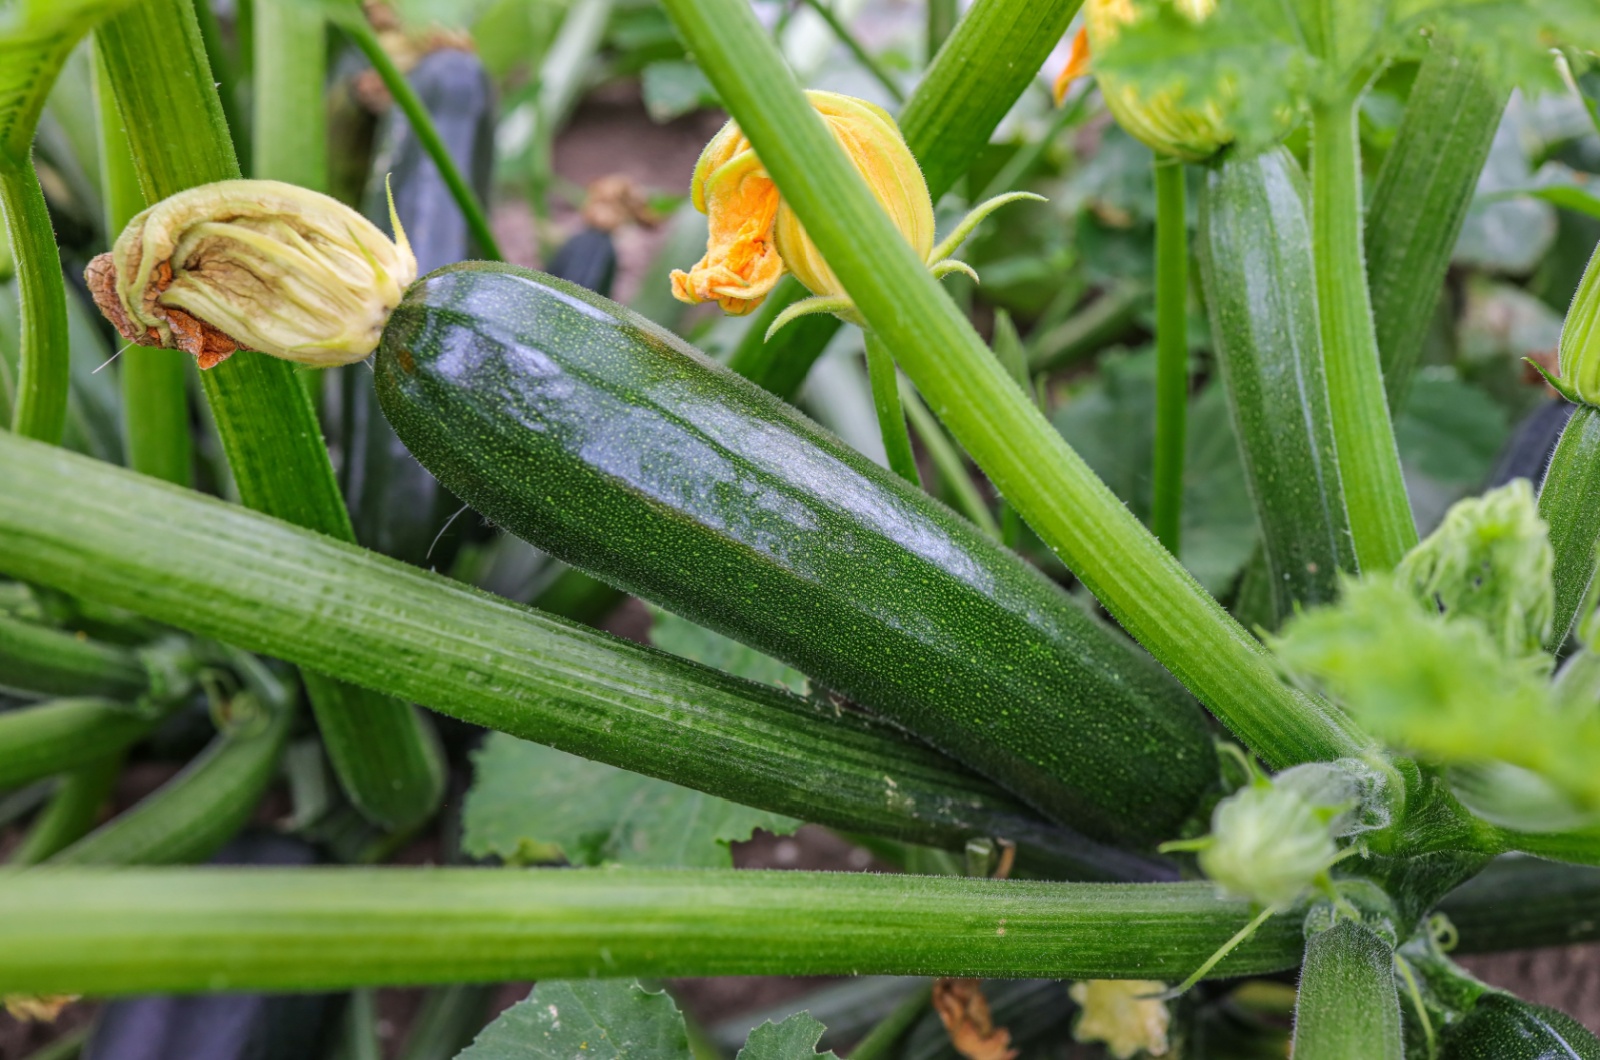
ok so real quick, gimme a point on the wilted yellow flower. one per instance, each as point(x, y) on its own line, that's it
point(1126, 1014)
point(254, 265)
point(754, 235)
point(1158, 120)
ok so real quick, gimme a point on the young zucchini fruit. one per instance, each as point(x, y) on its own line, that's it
point(1501, 1027)
point(1254, 245)
point(611, 444)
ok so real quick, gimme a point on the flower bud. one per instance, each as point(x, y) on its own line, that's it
point(256, 265)
point(1579, 357)
point(755, 237)
point(1159, 120)
point(1275, 838)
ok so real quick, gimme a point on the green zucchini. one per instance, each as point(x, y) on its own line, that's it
point(60, 735)
point(1254, 246)
point(608, 442)
point(1569, 500)
point(53, 662)
point(1501, 1027)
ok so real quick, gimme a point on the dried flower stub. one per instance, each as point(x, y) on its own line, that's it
point(254, 265)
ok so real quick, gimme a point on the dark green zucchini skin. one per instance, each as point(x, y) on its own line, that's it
point(610, 443)
point(1501, 1027)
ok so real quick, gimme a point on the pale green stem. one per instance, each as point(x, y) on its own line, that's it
point(45, 370)
point(891, 417)
point(1381, 523)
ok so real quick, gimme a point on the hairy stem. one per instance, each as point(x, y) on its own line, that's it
point(1381, 523)
point(45, 370)
point(885, 381)
point(1172, 353)
point(149, 930)
point(1569, 501)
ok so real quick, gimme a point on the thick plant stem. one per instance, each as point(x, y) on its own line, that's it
point(1569, 501)
point(941, 19)
point(331, 607)
point(63, 734)
point(1420, 201)
point(155, 394)
point(55, 662)
point(1172, 353)
point(1348, 1008)
point(991, 57)
point(44, 373)
point(381, 750)
point(290, 127)
point(885, 381)
point(160, 931)
point(71, 812)
point(1138, 581)
point(416, 113)
point(1381, 523)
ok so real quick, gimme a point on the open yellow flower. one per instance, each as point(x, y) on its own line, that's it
point(755, 238)
point(1192, 133)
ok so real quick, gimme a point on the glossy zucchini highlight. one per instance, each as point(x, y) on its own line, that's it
point(614, 446)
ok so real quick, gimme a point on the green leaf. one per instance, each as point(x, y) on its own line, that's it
point(673, 88)
point(529, 802)
point(595, 1019)
point(698, 644)
point(1450, 431)
point(36, 36)
point(794, 1039)
point(1109, 424)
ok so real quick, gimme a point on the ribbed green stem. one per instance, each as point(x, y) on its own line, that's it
point(53, 662)
point(416, 113)
point(1420, 201)
point(226, 66)
point(1172, 353)
point(269, 587)
point(190, 816)
point(1569, 501)
point(941, 19)
point(71, 812)
point(951, 465)
point(1381, 523)
point(44, 370)
point(60, 735)
point(991, 57)
point(383, 754)
point(155, 393)
point(1142, 585)
point(155, 931)
point(885, 380)
point(1348, 1008)
point(290, 126)
point(857, 49)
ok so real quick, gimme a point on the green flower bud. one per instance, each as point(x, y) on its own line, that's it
point(256, 265)
point(1491, 560)
point(1579, 358)
point(1272, 840)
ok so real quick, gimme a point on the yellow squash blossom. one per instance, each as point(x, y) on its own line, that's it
point(1192, 133)
point(755, 238)
point(1128, 1015)
point(255, 265)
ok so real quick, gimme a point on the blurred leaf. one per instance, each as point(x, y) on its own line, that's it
point(675, 88)
point(529, 801)
point(1505, 232)
point(794, 1039)
point(36, 36)
point(1450, 431)
point(596, 1019)
point(1501, 322)
point(1111, 425)
point(682, 637)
